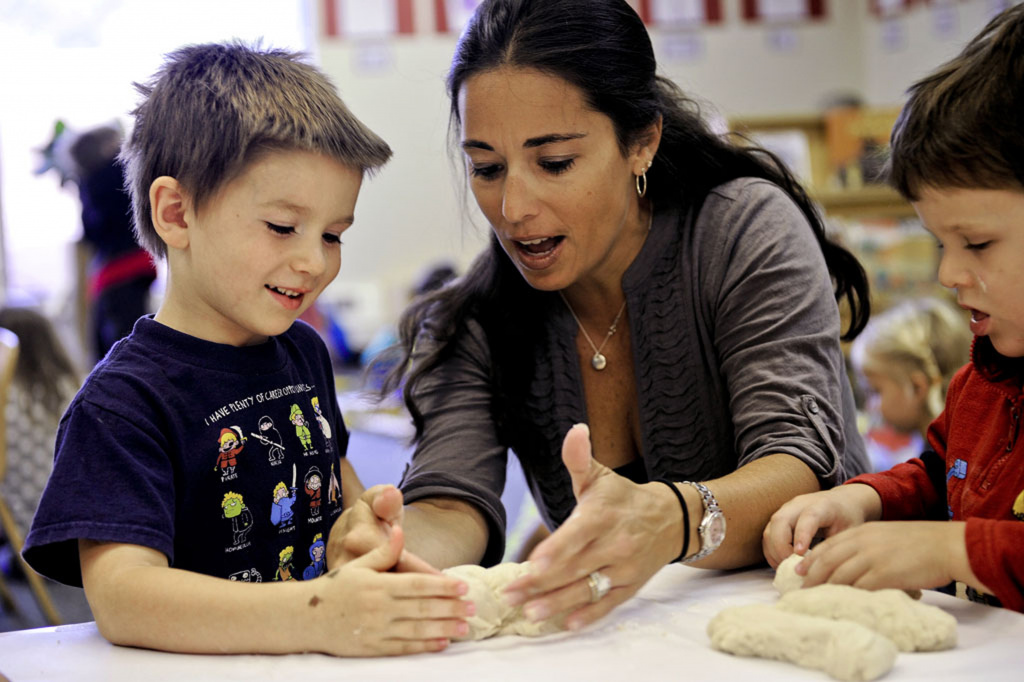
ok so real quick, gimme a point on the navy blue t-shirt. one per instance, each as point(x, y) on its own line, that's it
point(225, 459)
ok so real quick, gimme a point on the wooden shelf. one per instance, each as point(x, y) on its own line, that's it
point(866, 201)
point(870, 201)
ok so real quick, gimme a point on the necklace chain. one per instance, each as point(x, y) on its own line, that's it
point(599, 361)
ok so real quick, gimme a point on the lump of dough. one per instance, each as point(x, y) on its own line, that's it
point(913, 626)
point(843, 649)
point(493, 615)
point(786, 579)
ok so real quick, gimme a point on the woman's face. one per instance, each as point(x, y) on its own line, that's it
point(548, 174)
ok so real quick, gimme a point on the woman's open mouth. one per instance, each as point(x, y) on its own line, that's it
point(540, 253)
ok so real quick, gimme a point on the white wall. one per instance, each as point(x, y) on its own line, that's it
point(760, 68)
point(896, 55)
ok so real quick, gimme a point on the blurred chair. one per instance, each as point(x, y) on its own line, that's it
point(8, 361)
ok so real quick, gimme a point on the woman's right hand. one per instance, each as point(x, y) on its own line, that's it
point(795, 525)
point(367, 611)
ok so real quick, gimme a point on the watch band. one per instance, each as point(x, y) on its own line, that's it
point(710, 508)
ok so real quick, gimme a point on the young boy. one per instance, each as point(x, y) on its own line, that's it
point(956, 513)
point(244, 166)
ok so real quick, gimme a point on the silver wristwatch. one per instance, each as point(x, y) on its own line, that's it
point(712, 525)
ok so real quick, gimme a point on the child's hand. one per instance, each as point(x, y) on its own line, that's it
point(368, 524)
point(793, 527)
point(897, 554)
point(366, 611)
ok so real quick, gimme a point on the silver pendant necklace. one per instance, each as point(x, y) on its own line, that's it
point(599, 361)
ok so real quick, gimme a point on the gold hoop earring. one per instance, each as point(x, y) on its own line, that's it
point(641, 188)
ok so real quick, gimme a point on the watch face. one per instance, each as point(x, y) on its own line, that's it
point(715, 532)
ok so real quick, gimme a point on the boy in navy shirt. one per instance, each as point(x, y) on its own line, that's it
point(166, 494)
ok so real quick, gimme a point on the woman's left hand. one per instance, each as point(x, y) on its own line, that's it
point(624, 531)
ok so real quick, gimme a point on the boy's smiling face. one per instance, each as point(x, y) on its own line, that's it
point(261, 250)
point(981, 235)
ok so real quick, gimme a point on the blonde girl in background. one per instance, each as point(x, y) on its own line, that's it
point(906, 357)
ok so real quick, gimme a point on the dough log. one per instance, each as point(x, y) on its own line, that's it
point(911, 625)
point(843, 649)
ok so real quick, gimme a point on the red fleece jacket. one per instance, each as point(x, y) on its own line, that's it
point(978, 439)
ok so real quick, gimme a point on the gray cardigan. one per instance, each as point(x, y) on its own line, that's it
point(735, 336)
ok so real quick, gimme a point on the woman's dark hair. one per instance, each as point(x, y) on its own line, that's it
point(44, 371)
point(602, 48)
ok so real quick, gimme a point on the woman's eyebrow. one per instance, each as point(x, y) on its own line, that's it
point(554, 137)
point(539, 141)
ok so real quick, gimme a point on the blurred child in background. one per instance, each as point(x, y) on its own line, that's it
point(906, 357)
point(121, 271)
point(45, 381)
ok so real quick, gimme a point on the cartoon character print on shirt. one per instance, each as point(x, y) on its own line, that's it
point(249, 575)
point(284, 564)
point(271, 437)
point(281, 514)
point(301, 427)
point(314, 483)
point(324, 424)
point(958, 470)
point(333, 488)
point(316, 552)
point(1018, 506)
point(240, 517)
point(230, 445)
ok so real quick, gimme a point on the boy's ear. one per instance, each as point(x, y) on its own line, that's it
point(169, 205)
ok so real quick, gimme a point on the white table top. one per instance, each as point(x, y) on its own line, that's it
point(658, 635)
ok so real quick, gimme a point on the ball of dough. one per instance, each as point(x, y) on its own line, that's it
point(493, 614)
point(843, 649)
point(913, 626)
point(786, 579)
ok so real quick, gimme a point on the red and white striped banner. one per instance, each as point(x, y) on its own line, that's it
point(450, 16)
point(782, 11)
point(669, 13)
point(348, 19)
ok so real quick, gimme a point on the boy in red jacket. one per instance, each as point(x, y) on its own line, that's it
point(957, 512)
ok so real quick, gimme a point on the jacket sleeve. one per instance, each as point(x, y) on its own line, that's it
point(776, 331)
point(995, 549)
point(460, 454)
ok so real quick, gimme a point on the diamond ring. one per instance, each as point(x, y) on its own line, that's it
point(599, 585)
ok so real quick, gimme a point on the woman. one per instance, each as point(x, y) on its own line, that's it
point(644, 276)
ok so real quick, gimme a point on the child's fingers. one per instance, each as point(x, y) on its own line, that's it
point(432, 608)
point(425, 630)
point(830, 562)
point(777, 541)
point(405, 647)
point(423, 586)
point(387, 503)
point(384, 556)
point(807, 525)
